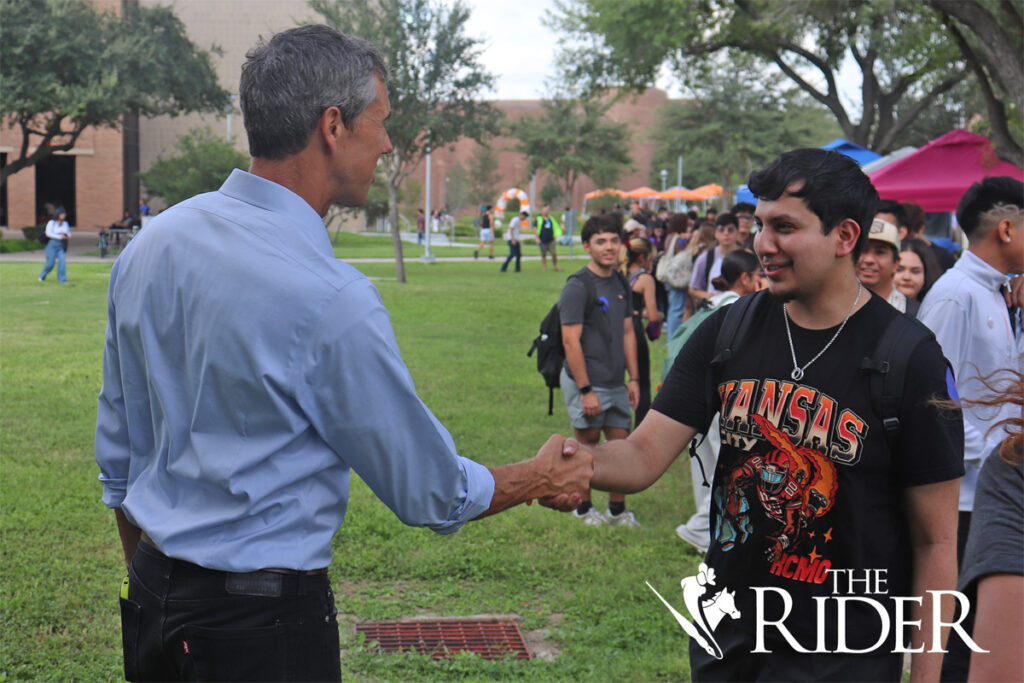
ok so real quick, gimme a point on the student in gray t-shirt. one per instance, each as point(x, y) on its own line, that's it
point(596, 312)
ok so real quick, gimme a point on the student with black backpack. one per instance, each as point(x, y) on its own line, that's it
point(596, 315)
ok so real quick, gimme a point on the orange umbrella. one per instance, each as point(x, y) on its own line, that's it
point(708, 191)
point(642, 193)
point(679, 193)
point(601, 193)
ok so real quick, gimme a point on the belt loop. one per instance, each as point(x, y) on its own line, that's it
point(301, 585)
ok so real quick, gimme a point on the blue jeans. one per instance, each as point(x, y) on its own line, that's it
point(55, 251)
point(514, 252)
point(676, 308)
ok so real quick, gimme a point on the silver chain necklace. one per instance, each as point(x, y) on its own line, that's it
point(798, 372)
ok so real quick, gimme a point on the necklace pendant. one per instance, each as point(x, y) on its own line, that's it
point(797, 374)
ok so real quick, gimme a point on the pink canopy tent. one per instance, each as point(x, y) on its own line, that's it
point(938, 174)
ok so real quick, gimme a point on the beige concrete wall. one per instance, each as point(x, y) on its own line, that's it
point(234, 26)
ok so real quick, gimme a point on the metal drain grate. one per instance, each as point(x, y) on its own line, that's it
point(491, 639)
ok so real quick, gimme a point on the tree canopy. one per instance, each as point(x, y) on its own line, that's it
point(201, 165)
point(64, 66)
point(570, 139)
point(483, 174)
point(435, 82)
point(735, 128)
point(989, 37)
point(900, 46)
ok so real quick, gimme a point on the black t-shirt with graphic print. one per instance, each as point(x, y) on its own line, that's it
point(805, 481)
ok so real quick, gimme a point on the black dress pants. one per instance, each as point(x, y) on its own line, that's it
point(183, 622)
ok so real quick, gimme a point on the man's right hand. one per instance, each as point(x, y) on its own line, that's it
point(591, 405)
point(569, 472)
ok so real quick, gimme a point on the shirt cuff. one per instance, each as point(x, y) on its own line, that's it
point(114, 491)
point(479, 492)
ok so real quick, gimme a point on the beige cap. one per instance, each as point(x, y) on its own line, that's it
point(884, 231)
point(632, 225)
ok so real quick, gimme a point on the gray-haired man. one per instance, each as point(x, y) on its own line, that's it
point(234, 405)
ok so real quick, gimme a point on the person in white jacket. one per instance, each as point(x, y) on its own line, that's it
point(974, 309)
point(58, 232)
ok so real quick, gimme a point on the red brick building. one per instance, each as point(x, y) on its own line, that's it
point(87, 180)
point(95, 181)
point(639, 113)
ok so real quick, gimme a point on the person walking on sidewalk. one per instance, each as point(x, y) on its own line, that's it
point(515, 246)
point(58, 232)
point(486, 232)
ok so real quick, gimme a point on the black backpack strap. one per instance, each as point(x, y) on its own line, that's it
point(731, 337)
point(888, 368)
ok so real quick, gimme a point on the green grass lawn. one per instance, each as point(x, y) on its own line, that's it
point(464, 330)
point(9, 246)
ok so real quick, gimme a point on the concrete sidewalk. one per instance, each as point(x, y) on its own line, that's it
point(84, 241)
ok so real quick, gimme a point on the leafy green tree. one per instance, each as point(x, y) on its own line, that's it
point(551, 192)
point(436, 78)
point(900, 47)
point(738, 126)
point(65, 67)
point(202, 163)
point(457, 190)
point(571, 139)
point(989, 37)
point(483, 173)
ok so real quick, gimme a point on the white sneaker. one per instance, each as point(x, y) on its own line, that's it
point(591, 517)
point(624, 519)
point(698, 540)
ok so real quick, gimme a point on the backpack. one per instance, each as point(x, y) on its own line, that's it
point(674, 268)
point(42, 238)
point(548, 344)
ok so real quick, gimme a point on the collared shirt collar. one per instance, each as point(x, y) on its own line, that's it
point(270, 196)
point(976, 269)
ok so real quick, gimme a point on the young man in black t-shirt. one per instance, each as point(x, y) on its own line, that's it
point(596, 311)
point(820, 531)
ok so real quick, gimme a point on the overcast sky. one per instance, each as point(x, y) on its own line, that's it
point(519, 48)
point(520, 51)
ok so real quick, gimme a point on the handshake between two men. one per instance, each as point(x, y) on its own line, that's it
point(564, 470)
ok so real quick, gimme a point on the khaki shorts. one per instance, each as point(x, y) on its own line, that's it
point(547, 247)
point(615, 409)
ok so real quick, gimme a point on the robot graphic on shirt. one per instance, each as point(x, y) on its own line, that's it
point(794, 485)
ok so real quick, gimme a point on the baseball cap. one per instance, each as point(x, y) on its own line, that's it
point(884, 231)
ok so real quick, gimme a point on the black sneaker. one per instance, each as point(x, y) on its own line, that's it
point(476, 254)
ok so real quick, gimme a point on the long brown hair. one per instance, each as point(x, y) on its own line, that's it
point(703, 237)
point(1004, 386)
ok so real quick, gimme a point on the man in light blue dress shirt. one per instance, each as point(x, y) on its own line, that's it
point(247, 371)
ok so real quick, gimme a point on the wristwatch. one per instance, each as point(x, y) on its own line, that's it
point(586, 389)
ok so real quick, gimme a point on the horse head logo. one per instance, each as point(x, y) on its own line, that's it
point(707, 608)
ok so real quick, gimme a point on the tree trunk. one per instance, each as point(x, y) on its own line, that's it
point(396, 236)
